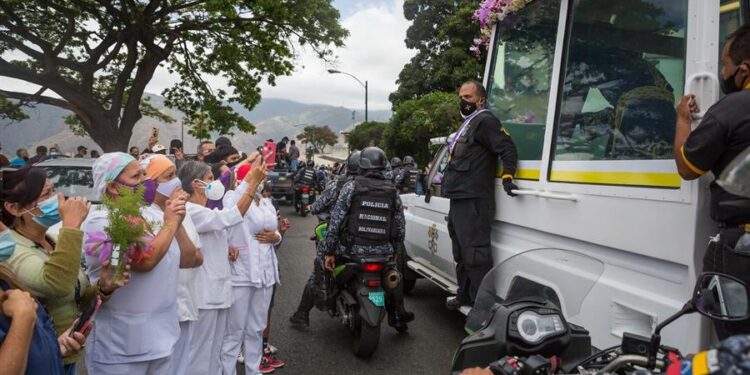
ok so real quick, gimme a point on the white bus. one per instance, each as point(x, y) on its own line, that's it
point(588, 89)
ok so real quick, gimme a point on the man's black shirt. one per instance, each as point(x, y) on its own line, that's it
point(723, 134)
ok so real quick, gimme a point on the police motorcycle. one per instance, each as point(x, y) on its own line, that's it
point(520, 321)
point(304, 192)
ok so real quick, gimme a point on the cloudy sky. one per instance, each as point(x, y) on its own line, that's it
point(374, 52)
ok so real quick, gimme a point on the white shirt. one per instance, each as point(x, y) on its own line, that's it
point(139, 322)
point(187, 308)
point(257, 264)
point(213, 279)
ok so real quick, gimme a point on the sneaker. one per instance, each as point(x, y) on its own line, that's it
point(241, 356)
point(272, 361)
point(265, 367)
point(272, 349)
point(300, 320)
point(453, 303)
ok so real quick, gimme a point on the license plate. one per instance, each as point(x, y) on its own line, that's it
point(378, 298)
point(305, 197)
point(282, 179)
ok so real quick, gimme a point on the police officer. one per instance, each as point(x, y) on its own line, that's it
point(406, 180)
point(396, 169)
point(315, 284)
point(469, 183)
point(723, 133)
point(369, 195)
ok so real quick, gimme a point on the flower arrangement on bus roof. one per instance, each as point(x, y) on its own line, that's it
point(491, 12)
point(127, 237)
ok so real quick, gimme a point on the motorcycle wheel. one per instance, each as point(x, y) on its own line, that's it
point(304, 212)
point(366, 339)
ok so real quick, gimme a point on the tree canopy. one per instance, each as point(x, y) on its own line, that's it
point(442, 32)
point(365, 133)
point(318, 137)
point(417, 121)
point(98, 56)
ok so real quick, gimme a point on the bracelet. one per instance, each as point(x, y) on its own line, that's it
point(100, 291)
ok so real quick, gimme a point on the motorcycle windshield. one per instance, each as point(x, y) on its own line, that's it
point(562, 277)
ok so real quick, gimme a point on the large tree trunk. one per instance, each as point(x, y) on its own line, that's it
point(110, 133)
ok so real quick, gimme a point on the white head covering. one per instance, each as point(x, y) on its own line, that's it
point(106, 169)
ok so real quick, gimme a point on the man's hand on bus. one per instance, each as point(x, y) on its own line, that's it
point(687, 107)
point(509, 186)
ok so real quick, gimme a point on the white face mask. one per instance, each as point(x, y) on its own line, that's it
point(215, 190)
point(167, 188)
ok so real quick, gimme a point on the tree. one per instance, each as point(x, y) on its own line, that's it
point(97, 56)
point(366, 132)
point(442, 33)
point(417, 121)
point(319, 137)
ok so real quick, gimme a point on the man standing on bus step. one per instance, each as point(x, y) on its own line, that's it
point(469, 183)
point(723, 133)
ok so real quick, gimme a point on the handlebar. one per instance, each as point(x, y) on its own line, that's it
point(630, 359)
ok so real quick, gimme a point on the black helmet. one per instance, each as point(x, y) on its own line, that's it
point(372, 158)
point(395, 162)
point(311, 163)
point(352, 163)
point(408, 160)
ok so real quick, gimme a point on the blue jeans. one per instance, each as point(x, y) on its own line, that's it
point(70, 369)
point(294, 165)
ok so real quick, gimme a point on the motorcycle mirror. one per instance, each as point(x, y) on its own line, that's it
point(721, 297)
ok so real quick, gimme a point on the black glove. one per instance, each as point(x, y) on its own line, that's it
point(509, 186)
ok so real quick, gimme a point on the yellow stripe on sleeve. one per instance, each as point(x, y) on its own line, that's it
point(689, 164)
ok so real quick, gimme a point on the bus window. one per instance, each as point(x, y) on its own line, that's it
point(520, 75)
point(623, 74)
point(730, 21)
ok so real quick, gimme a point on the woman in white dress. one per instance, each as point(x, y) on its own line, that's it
point(213, 279)
point(253, 276)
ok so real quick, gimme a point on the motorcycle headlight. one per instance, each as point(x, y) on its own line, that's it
point(534, 327)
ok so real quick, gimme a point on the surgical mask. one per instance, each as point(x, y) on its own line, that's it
point(166, 189)
point(7, 245)
point(215, 190)
point(259, 190)
point(728, 85)
point(467, 108)
point(149, 190)
point(50, 213)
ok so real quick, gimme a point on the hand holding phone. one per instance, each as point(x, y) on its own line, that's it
point(87, 316)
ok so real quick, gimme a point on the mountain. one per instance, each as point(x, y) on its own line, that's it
point(273, 119)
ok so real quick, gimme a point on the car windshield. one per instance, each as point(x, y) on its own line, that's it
point(560, 276)
point(73, 181)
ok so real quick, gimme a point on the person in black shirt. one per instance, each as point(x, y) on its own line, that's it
point(723, 133)
point(469, 183)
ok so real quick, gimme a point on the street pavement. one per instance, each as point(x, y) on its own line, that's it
point(427, 348)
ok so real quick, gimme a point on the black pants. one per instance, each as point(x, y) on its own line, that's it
point(469, 225)
point(722, 257)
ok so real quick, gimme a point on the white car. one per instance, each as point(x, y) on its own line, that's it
point(73, 178)
point(587, 89)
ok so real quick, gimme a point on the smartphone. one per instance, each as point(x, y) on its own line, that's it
point(87, 316)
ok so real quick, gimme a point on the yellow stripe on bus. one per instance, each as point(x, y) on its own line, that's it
point(729, 7)
point(655, 179)
point(522, 174)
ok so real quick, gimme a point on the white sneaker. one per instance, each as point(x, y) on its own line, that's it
point(272, 349)
point(241, 357)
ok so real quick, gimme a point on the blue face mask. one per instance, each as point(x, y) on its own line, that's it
point(50, 213)
point(7, 245)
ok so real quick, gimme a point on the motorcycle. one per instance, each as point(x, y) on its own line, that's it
point(303, 197)
point(520, 322)
point(357, 298)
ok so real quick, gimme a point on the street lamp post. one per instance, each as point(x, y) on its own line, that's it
point(365, 85)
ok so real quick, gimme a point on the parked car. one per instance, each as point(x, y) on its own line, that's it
point(73, 178)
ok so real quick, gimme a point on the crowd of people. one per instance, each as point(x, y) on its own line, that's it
point(43, 153)
point(192, 304)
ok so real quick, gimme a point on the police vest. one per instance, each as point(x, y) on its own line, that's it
point(371, 212)
point(308, 176)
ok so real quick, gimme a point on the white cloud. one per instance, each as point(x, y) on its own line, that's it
point(374, 51)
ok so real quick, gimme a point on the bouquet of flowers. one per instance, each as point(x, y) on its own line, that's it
point(491, 12)
point(128, 236)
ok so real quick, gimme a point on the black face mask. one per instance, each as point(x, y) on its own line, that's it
point(467, 108)
point(728, 85)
